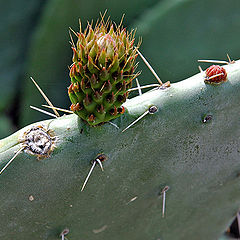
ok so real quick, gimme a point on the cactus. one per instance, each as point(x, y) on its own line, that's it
point(190, 146)
point(102, 72)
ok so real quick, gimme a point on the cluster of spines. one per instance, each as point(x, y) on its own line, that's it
point(104, 61)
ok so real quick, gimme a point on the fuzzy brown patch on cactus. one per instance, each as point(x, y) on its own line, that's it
point(104, 64)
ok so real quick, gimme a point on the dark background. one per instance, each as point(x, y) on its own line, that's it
point(35, 42)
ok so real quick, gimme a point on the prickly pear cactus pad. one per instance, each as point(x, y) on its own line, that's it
point(102, 72)
point(174, 174)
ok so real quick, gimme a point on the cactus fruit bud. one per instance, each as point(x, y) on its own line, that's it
point(104, 61)
point(215, 74)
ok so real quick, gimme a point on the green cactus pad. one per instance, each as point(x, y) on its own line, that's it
point(102, 72)
point(191, 144)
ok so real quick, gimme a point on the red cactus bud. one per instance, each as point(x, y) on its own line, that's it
point(215, 70)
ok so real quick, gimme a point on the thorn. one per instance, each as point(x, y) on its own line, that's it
point(42, 111)
point(229, 59)
point(100, 158)
point(100, 163)
point(85, 182)
point(45, 97)
point(146, 86)
point(57, 108)
point(200, 69)
point(80, 25)
point(114, 125)
point(144, 114)
point(120, 24)
point(103, 16)
point(102, 87)
point(217, 75)
point(138, 87)
point(16, 154)
point(149, 66)
point(151, 110)
point(165, 189)
point(213, 61)
point(73, 32)
point(72, 42)
point(133, 199)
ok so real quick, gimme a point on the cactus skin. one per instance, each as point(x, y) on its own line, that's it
point(174, 147)
point(102, 72)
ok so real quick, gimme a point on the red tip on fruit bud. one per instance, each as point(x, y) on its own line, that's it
point(75, 87)
point(91, 118)
point(73, 71)
point(76, 107)
point(70, 90)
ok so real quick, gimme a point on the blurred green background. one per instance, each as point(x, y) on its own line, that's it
point(35, 42)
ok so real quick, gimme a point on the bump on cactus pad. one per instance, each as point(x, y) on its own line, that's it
point(104, 62)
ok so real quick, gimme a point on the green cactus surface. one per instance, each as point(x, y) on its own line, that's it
point(190, 146)
point(102, 72)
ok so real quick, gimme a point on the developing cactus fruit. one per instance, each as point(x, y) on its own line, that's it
point(104, 62)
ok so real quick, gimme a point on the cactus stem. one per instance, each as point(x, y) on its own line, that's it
point(59, 109)
point(43, 111)
point(165, 189)
point(45, 97)
point(149, 67)
point(16, 154)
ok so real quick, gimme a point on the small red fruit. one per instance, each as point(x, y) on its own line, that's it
point(215, 74)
